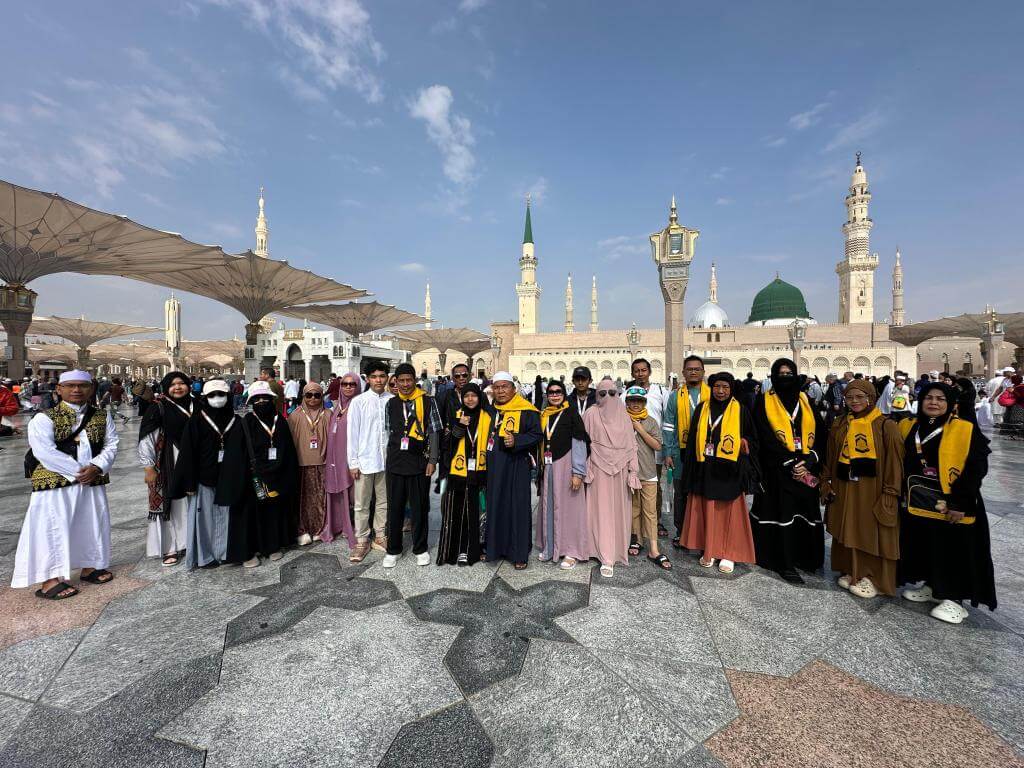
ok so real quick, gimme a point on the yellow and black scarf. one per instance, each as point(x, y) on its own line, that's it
point(414, 431)
point(728, 447)
point(858, 456)
point(509, 414)
point(637, 416)
point(684, 412)
point(483, 429)
point(782, 425)
point(954, 444)
point(549, 411)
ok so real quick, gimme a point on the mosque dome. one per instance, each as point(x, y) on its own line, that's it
point(778, 303)
point(709, 315)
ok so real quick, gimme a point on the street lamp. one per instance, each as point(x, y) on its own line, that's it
point(797, 331)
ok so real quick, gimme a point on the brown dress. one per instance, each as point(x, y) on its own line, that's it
point(309, 431)
point(864, 516)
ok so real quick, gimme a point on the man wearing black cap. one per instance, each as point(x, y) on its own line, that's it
point(583, 395)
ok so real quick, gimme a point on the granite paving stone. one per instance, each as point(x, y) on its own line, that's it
point(498, 625)
point(119, 732)
point(12, 713)
point(230, 577)
point(641, 571)
point(656, 619)
point(451, 735)
point(280, 695)
point(566, 707)
point(162, 626)
point(412, 580)
point(538, 572)
point(26, 668)
point(307, 582)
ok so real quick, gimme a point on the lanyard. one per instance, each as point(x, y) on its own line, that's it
point(471, 440)
point(693, 403)
point(795, 413)
point(187, 412)
point(918, 442)
point(409, 414)
point(273, 427)
point(217, 429)
point(313, 422)
point(715, 423)
point(552, 425)
point(581, 405)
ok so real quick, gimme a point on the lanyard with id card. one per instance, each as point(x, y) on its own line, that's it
point(272, 450)
point(709, 447)
point(220, 434)
point(314, 441)
point(927, 470)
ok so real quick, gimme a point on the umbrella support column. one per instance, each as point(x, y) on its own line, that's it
point(16, 306)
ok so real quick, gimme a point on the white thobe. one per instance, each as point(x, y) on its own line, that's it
point(65, 528)
point(366, 437)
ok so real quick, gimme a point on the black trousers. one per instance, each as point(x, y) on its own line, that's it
point(678, 504)
point(413, 490)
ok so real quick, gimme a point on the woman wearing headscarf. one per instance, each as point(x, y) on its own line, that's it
point(265, 469)
point(612, 474)
point(159, 440)
point(197, 474)
point(786, 516)
point(861, 484)
point(561, 467)
point(1013, 419)
point(466, 456)
point(718, 469)
point(308, 426)
point(944, 538)
point(337, 478)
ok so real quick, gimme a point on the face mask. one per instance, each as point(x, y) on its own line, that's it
point(263, 408)
point(217, 401)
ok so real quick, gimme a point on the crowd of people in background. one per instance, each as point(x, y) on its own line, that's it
point(567, 472)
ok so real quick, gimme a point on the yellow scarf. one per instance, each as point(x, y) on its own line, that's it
point(550, 411)
point(684, 412)
point(729, 438)
point(954, 444)
point(510, 413)
point(637, 416)
point(782, 426)
point(415, 431)
point(483, 429)
point(860, 437)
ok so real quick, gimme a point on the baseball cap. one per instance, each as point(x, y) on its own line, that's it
point(582, 373)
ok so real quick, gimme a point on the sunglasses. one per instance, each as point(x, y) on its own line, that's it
point(348, 383)
point(604, 392)
point(314, 396)
point(460, 375)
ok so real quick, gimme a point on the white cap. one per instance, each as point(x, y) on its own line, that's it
point(216, 385)
point(76, 375)
point(503, 376)
point(1008, 369)
point(259, 388)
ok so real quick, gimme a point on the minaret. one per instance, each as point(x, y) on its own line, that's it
point(857, 271)
point(262, 232)
point(897, 291)
point(172, 330)
point(593, 305)
point(713, 286)
point(527, 288)
point(569, 326)
point(426, 310)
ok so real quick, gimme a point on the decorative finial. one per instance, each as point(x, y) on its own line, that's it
point(777, 275)
point(673, 202)
point(858, 158)
point(527, 199)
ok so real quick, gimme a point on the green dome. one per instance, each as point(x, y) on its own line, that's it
point(778, 300)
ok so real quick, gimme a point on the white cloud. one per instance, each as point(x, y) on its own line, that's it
point(776, 141)
point(444, 25)
point(630, 246)
point(723, 201)
point(226, 229)
point(451, 132)
point(297, 85)
point(332, 39)
point(857, 131)
point(721, 173)
point(468, 6)
point(804, 120)
point(412, 266)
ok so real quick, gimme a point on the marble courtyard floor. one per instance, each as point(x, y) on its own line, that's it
point(312, 661)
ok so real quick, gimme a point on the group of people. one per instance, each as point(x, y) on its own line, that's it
point(901, 492)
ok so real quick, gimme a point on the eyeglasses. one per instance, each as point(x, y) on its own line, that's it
point(555, 393)
point(313, 396)
point(856, 398)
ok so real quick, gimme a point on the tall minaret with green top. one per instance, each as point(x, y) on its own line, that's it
point(527, 288)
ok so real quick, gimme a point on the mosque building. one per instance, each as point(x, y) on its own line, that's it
point(856, 342)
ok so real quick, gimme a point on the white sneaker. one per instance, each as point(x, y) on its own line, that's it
point(389, 561)
point(843, 581)
point(305, 540)
point(864, 588)
point(423, 558)
point(922, 594)
point(949, 612)
point(255, 561)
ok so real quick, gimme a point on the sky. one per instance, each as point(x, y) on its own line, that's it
point(397, 141)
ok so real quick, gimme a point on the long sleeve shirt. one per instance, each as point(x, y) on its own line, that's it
point(366, 436)
point(44, 446)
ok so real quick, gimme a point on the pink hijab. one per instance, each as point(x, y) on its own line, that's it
point(337, 477)
point(612, 441)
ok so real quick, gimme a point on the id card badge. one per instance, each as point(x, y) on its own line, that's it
point(404, 444)
point(547, 457)
point(798, 443)
point(931, 472)
point(314, 444)
point(471, 465)
point(490, 443)
point(334, 428)
point(709, 450)
point(271, 453)
point(220, 456)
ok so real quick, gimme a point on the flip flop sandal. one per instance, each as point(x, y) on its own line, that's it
point(662, 532)
point(54, 592)
point(661, 561)
point(97, 577)
point(676, 544)
point(634, 549)
point(520, 566)
point(171, 560)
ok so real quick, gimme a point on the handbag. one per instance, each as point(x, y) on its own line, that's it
point(923, 494)
point(258, 486)
point(1007, 399)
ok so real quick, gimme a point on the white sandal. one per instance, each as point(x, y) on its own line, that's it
point(949, 612)
point(864, 588)
point(607, 571)
point(922, 594)
point(706, 563)
point(844, 581)
point(567, 564)
point(726, 566)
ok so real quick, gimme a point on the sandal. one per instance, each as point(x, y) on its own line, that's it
point(607, 571)
point(634, 549)
point(102, 576)
point(726, 566)
point(662, 531)
point(359, 553)
point(706, 563)
point(661, 561)
point(171, 560)
point(676, 544)
point(567, 564)
point(520, 566)
point(56, 592)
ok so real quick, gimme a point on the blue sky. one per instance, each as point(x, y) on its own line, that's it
point(397, 139)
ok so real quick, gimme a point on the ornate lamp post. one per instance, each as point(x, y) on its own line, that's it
point(495, 351)
point(992, 337)
point(633, 339)
point(797, 331)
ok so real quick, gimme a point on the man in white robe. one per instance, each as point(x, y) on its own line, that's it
point(67, 525)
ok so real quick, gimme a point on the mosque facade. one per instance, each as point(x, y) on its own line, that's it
point(856, 342)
